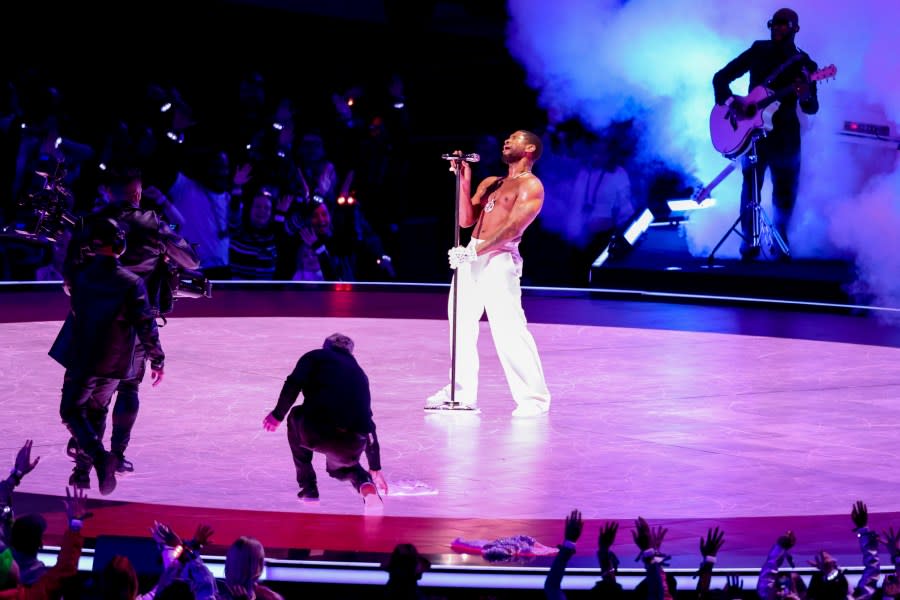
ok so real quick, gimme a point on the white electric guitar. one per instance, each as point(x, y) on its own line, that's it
point(731, 130)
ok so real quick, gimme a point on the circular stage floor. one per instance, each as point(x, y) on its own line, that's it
point(729, 422)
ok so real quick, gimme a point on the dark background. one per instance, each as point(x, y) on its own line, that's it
point(460, 80)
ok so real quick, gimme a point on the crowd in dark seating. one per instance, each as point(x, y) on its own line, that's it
point(268, 193)
point(271, 188)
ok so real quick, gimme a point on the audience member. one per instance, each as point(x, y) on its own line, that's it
point(26, 541)
point(253, 253)
point(709, 548)
point(307, 252)
point(405, 568)
point(657, 585)
point(244, 567)
point(51, 583)
point(829, 581)
point(22, 467)
point(207, 198)
point(571, 533)
point(318, 171)
point(119, 581)
point(182, 563)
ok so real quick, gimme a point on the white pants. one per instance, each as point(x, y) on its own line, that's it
point(491, 284)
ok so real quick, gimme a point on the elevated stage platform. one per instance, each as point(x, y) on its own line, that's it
point(660, 262)
point(756, 417)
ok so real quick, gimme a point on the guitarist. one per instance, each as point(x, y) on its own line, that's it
point(776, 64)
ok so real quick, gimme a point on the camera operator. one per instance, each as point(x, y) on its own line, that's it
point(152, 250)
point(109, 313)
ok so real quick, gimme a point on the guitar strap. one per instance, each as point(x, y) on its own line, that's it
point(780, 70)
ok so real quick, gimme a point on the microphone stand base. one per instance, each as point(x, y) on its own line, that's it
point(453, 407)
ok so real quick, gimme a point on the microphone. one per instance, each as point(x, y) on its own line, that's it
point(469, 158)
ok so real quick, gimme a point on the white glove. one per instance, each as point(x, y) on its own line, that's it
point(461, 255)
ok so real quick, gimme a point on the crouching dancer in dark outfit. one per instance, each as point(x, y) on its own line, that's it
point(335, 419)
point(96, 345)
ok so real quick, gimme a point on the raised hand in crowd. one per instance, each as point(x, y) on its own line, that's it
point(641, 536)
point(609, 562)
point(574, 526)
point(657, 535)
point(164, 535)
point(24, 464)
point(734, 587)
point(868, 545)
point(608, 587)
point(182, 561)
point(859, 514)
point(649, 541)
point(892, 543)
point(76, 508)
point(243, 175)
point(825, 564)
point(779, 553)
point(607, 535)
point(709, 548)
point(788, 541)
point(571, 532)
point(309, 236)
point(202, 535)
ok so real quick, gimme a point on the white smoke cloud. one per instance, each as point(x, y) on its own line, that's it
point(606, 59)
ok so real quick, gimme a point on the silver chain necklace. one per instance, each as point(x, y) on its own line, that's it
point(492, 200)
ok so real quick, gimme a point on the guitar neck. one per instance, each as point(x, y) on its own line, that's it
point(705, 192)
point(774, 97)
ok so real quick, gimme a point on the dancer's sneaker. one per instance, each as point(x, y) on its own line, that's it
point(531, 410)
point(80, 478)
point(124, 466)
point(105, 465)
point(309, 493)
point(371, 498)
point(72, 448)
point(440, 401)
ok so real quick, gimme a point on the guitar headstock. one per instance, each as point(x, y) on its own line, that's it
point(823, 73)
point(700, 194)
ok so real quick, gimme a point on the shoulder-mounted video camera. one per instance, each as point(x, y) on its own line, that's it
point(179, 282)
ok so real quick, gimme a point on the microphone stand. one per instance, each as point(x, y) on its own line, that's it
point(458, 158)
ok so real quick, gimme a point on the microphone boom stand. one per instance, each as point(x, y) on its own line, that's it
point(457, 158)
